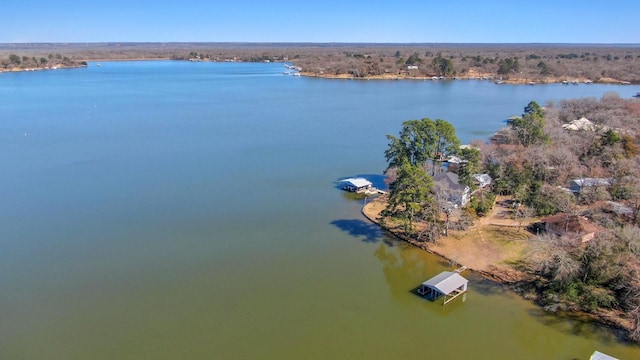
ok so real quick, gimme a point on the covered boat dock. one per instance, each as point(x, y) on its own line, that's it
point(597, 355)
point(447, 284)
point(358, 185)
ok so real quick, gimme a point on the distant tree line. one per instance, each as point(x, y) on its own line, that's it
point(33, 62)
point(527, 64)
point(537, 63)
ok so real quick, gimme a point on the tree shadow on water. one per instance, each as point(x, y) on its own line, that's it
point(364, 230)
point(487, 287)
point(579, 325)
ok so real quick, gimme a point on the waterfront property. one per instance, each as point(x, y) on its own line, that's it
point(449, 187)
point(447, 284)
point(578, 185)
point(483, 180)
point(617, 208)
point(581, 124)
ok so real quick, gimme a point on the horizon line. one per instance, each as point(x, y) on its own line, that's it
point(308, 43)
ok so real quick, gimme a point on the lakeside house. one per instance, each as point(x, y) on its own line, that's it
point(483, 180)
point(579, 185)
point(448, 186)
point(453, 159)
point(357, 185)
point(581, 124)
point(617, 208)
point(584, 124)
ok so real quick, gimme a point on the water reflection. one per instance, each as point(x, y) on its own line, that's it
point(487, 287)
point(361, 229)
point(577, 326)
point(404, 269)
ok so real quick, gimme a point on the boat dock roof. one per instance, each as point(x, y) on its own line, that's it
point(446, 282)
point(449, 284)
point(358, 182)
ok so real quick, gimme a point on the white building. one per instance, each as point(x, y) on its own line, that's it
point(356, 184)
point(483, 180)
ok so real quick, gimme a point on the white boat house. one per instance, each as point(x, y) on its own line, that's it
point(449, 284)
point(356, 185)
point(597, 355)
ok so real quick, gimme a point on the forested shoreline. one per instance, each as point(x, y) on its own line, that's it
point(518, 63)
point(572, 169)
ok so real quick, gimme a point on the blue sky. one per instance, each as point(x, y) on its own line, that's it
point(462, 21)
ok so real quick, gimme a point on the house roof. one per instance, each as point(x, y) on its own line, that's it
point(446, 282)
point(592, 182)
point(571, 223)
point(450, 180)
point(618, 208)
point(358, 182)
point(482, 178)
point(581, 124)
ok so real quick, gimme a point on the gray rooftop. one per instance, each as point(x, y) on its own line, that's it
point(449, 180)
point(597, 355)
point(358, 182)
point(446, 282)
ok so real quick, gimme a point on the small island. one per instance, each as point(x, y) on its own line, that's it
point(550, 206)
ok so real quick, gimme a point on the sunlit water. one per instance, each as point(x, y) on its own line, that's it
point(175, 210)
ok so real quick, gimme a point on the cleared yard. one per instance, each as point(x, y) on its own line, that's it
point(492, 246)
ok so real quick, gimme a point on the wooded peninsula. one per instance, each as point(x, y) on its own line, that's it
point(561, 188)
point(514, 63)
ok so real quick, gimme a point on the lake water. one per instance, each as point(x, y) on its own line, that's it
point(177, 210)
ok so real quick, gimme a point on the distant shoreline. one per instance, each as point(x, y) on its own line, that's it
point(386, 77)
point(51, 68)
point(513, 81)
point(503, 63)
